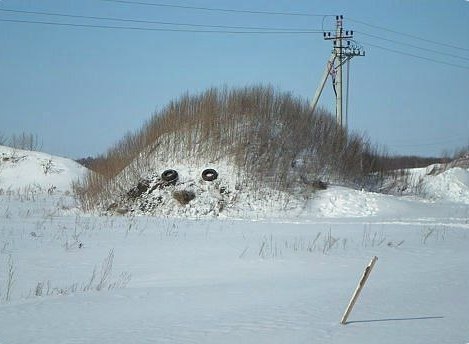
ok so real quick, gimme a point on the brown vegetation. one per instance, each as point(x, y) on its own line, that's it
point(270, 135)
point(183, 196)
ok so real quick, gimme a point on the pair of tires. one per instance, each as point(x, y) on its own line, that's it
point(172, 176)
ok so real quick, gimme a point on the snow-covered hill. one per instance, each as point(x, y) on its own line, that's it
point(451, 185)
point(436, 183)
point(20, 169)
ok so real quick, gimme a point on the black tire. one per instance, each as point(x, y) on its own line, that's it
point(209, 175)
point(170, 176)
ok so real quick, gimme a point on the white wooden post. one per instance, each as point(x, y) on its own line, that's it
point(359, 288)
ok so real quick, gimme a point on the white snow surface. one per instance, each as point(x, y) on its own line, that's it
point(451, 185)
point(21, 169)
point(265, 270)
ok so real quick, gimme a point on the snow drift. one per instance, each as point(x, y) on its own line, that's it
point(438, 183)
point(20, 169)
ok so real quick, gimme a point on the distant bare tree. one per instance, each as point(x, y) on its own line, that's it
point(25, 141)
point(3, 139)
point(461, 152)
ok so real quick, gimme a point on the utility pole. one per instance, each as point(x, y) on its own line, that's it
point(344, 49)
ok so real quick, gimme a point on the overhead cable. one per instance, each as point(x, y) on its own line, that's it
point(156, 29)
point(417, 56)
point(127, 20)
point(215, 9)
point(458, 47)
point(412, 46)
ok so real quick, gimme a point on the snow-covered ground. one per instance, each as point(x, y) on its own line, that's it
point(250, 276)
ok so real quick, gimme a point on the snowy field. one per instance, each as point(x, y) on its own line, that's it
point(72, 277)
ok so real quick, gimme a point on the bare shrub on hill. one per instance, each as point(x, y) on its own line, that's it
point(272, 136)
point(462, 152)
point(25, 141)
point(3, 139)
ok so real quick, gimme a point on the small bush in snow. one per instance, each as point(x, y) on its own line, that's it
point(100, 279)
point(10, 279)
point(183, 196)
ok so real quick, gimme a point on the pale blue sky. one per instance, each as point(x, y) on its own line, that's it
point(80, 89)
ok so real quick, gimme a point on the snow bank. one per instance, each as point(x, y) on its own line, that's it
point(451, 185)
point(20, 169)
point(234, 195)
point(344, 202)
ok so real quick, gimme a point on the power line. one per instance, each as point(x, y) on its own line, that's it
point(437, 142)
point(215, 9)
point(426, 144)
point(155, 29)
point(231, 29)
point(417, 56)
point(412, 46)
point(231, 10)
point(157, 22)
point(409, 35)
point(441, 139)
